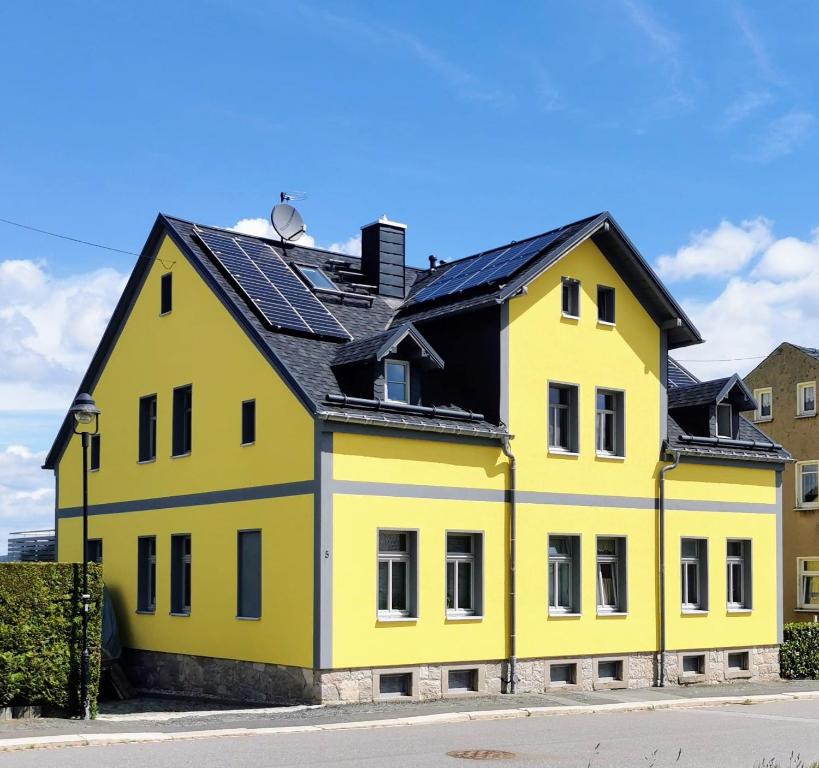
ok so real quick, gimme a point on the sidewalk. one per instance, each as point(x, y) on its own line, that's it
point(157, 719)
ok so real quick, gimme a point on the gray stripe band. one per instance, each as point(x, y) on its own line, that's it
point(279, 490)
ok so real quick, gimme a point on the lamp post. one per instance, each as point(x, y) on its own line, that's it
point(86, 414)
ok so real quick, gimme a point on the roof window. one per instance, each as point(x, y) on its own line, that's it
point(316, 278)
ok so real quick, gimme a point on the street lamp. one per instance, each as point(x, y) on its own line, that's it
point(86, 423)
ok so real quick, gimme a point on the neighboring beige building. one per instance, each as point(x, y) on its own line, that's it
point(784, 387)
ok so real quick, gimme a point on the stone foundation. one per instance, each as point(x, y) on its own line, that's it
point(244, 681)
point(202, 677)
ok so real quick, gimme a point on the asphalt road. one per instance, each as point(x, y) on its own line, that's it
point(720, 736)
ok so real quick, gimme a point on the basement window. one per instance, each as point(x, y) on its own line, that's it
point(395, 685)
point(462, 680)
point(571, 297)
point(738, 661)
point(562, 674)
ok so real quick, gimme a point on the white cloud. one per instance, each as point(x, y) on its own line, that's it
point(26, 492)
point(351, 246)
point(263, 228)
point(722, 251)
point(782, 136)
point(770, 298)
point(49, 328)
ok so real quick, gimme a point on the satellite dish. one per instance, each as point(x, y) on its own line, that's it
point(287, 222)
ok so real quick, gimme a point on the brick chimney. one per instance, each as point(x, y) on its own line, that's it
point(382, 256)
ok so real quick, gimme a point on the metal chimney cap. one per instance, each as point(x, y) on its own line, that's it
point(385, 220)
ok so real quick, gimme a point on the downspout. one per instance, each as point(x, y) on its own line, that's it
point(667, 468)
point(513, 661)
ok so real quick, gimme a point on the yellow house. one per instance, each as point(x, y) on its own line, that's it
point(327, 478)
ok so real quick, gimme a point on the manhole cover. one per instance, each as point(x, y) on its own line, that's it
point(481, 754)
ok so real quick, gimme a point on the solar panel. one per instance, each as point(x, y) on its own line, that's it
point(271, 286)
point(492, 266)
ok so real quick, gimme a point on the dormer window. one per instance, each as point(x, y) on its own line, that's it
point(725, 420)
point(396, 381)
point(316, 278)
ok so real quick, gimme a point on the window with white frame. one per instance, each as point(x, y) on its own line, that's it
point(609, 431)
point(807, 484)
point(764, 404)
point(808, 575)
point(738, 574)
point(563, 418)
point(396, 573)
point(725, 420)
point(564, 574)
point(611, 574)
point(463, 574)
point(571, 297)
point(396, 381)
point(693, 574)
point(806, 398)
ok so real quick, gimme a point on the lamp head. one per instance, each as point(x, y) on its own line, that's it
point(85, 412)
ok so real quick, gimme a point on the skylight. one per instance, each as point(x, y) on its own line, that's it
point(316, 278)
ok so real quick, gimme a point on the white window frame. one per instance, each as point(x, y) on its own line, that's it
point(801, 388)
point(758, 394)
point(572, 419)
point(555, 561)
point(304, 269)
point(613, 560)
point(185, 577)
point(731, 419)
point(571, 284)
point(800, 503)
point(406, 366)
point(735, 560)
point(685, 568)
point(405, 557)
point(457, 558)
point(801, 574)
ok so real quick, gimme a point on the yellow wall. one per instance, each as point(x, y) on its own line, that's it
point(199, 343)
point(544, 346)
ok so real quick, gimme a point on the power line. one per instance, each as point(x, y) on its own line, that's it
point(66, 237)
point(723, 359)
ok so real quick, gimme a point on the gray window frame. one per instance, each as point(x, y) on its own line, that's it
point(700, 563)
point(147, 428)
point(248, 582)
point(165, 294)
point(182, 421)
point(95, 544)
point(620, 562)
point(721, 408)
point(410, 557)
point(744, 562)
point(574, 559)
point(606, 290)
point(181, 577)
point(95, 454)
point(618, 414)
point(570, 289)
point(573, 418)
point(476, 577)
point(248, 418)
point(146, 574)
point(406, 366)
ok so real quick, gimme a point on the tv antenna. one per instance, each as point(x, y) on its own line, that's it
point(286, 220)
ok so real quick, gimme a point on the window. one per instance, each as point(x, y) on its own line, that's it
point(807, 483)
point(571, 297)
point(249, 575)
point(738, 574)
point(738, 661)
point(248, 422)
point(725, 419)
point(147, 428)
point(396, 381)
point(182, 413)
point(166, 291)
point(563, 418)
point(95, 453)
point(563, 674)
point(395, 685)
point(609, 423)
point(808, 582)
point(609, 671)
point(611, 574)
point(564, 574)
point(605, 304)
point(693, 664)
point(806, 399)
point(463, 574)
point(694, 577)
point(146, 574)
point(396, 573)
point(181, 574)
point(764, 404)
point(462, 680)
point(316, 278)
point(95, 551)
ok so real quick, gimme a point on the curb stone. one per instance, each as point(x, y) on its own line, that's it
point(107, 739)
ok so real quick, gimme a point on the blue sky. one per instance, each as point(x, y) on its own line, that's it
point(694, 123)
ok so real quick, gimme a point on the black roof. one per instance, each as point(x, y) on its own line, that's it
point(306, 363)
point(678, 375)
point(809, 351)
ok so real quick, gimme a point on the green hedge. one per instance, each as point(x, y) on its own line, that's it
point(41, 634)
point(799, 653)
